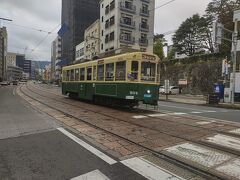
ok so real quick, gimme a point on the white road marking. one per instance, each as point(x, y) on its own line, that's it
point(235, 131)
point(203, 122)
point(93, 175)
point(14, 91)
point(139, 117)
point(226, 141)
point(90, 148)
point(231, 168)
point(149, 170)
point(210, 111)
point(177, 113)
point(196, 112)
point(157, 115)
point(197, 154)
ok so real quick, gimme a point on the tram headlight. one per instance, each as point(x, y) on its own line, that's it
point(148, 91)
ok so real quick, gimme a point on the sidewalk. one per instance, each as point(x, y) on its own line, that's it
point(185, 98)
point(196, 100)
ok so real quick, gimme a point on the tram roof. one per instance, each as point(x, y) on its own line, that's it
point(126, 56)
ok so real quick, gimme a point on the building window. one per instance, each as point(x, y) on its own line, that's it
point(112, 20)
point(107, 9)
point(111, 38)
point(106, 38)
point(106, 24)
point(102, 32)
point(102, 5)
point(101, 46)
point(102, 18)
point(112, 5)
point(144, 8)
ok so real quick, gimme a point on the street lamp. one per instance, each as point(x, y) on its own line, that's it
point(4, 19)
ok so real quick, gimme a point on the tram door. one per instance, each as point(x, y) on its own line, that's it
point(82, 86)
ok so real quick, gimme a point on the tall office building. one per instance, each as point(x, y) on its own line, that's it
point(3, 53)
point(77, 15)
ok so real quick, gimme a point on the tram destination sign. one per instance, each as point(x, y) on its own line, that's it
point(149, 57)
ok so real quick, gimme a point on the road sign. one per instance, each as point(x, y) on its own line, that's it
point(167, 86)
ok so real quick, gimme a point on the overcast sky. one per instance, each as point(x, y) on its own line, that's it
point(46, 15)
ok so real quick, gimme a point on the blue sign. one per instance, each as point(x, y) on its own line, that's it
point(63, 29)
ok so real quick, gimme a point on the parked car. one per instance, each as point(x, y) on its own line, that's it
point(4, 83)
point(173, 90)
point(15, 82)
point(161, 90)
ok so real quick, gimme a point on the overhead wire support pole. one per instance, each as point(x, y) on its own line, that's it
point(235, 34)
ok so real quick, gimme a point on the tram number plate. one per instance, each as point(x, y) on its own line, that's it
point(147, 95)
point(129, 97)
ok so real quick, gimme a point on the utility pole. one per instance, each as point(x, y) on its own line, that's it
point(235, 35)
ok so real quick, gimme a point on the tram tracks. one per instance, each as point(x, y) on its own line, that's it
point(176, 121)
point(161, 154)
point(188, 138)
point(172, 160)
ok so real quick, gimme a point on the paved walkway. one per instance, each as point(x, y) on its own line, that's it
point(195, 99)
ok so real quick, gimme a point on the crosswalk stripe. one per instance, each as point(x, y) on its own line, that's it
point(196, 112)
point(90, 148)
point(93, 175)
point(149, 170)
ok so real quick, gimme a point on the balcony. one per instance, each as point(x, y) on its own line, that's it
point(127, 24)
point(112, 6)
point(127, 39)
point(146, 1)
point(144, 27)
point(127, 8)
point(144, 12)
point(107, 10)
point(143, 42)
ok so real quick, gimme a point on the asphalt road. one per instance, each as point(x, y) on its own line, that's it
point(199, 110)
point(32, 148)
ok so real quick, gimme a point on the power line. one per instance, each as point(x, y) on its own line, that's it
point(30, 28)
point(41, 41)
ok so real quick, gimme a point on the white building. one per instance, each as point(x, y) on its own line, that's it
point(11, 59)
point(79, 56)
point(126, 23)
point(55, 56)
point(92, 40)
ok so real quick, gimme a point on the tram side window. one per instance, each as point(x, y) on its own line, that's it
point(89, 74)
point(68, 75)
point(100, 73)
point(76, 74)
point(82, 74)
point(121, 71)
point(134, 73)
point(109, 72)
point(148, 71)
point(72, 75)
point(94, 73)
point(64, 75)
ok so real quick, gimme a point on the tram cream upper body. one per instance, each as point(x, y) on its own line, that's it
point(136, 67)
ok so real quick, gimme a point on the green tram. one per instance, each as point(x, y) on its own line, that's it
point(121, 80)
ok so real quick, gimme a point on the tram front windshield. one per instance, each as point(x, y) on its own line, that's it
point(148, 71)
